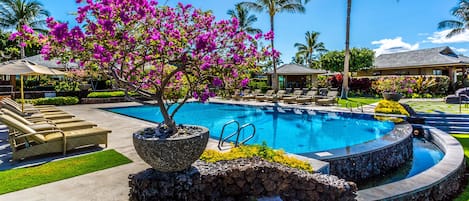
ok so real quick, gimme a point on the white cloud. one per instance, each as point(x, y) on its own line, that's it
point(460, 50)
point(393, 45)
point(440, 37)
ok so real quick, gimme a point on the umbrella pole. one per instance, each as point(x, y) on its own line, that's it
point(22, 93)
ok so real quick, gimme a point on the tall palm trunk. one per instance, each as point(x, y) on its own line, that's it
point(274, 63)
point(347, 53)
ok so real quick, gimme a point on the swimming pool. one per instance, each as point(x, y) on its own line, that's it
point(295, 131)
point(426, 155)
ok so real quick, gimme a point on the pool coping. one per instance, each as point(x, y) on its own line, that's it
point(452, 164)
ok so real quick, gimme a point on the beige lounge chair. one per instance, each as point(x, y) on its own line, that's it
point(278, 96)
point(307, 98)
point(50, 125)
point(27, 142)
point(331, 99)
point(28, 108)
point(263, 97)
point(251, 95)
point(47, 115)
point(292, 99)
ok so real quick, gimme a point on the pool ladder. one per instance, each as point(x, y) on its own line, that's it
point(349, 105)
point(236, 132)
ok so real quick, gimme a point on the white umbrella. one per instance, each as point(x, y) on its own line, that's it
point(24, 67)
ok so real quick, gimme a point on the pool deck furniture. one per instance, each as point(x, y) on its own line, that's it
point(27, 142)
point(307, 98)
point(252, 95)
point(49, 125)
point(276, 97)
point(37, 114)
point(263, 97)
point(292, 99)
point(329, 99)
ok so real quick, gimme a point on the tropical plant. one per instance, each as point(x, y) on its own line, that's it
point(244, 18)
point(309, 51)
point(163, 53)
point(274, 7)
point(361, 58)
point(458, 26)
point(14, 14)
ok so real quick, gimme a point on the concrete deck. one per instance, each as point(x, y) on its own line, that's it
point(110, 184)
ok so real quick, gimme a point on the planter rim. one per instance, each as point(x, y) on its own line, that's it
point(139, 136)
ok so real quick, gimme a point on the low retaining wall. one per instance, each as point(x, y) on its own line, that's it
point(370, 159)
point(441, 182)
point(241, 179)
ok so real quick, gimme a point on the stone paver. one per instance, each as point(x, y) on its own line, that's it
point(110, 184)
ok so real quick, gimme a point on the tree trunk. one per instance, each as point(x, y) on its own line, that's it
point(274, 63)
point(168, 121)
point(22, 52)
point(347, 53)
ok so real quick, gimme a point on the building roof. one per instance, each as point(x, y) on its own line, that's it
point(420, 58)
point(39, 59)
point(296, 69)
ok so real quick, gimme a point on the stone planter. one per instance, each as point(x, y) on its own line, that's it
point(84, 87)
point(392, 96)
point(172, 154)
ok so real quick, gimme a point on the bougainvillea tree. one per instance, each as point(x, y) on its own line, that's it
point(167, 54)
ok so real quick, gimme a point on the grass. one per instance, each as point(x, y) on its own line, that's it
point(22, 178)
point(354, 101)
point(437, 107)
point(464, 140)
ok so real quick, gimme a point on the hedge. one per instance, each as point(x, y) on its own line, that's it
point(108, 94)
point(68, 100)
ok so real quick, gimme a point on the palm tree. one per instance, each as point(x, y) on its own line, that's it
point(311, 47)
point(16, 13)
point(461, 12)
point(273, 7)
point(344, 91)
point(244, 18)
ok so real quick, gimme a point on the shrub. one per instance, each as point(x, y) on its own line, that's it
point(390, 107)
point(410, 84)
point(262, 151)
point(107, 94)
point(68, 100)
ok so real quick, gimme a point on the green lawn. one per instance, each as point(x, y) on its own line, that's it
point(437, 107)
point(21, 178)
point(464, 140)
point(354, 101)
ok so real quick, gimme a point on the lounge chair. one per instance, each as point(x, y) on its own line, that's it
point(236, 95)
point(252, 95)
point(276, 97)
point(38, 114)
point(30, 108)
point(263, 97)
point(309, 97)
point(27, 142)
point(49, 125)
point(292, 99)
point(330, 99)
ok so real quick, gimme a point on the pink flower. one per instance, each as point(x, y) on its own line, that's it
point(269, 35)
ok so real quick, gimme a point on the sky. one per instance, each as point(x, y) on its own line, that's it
point(382, 25)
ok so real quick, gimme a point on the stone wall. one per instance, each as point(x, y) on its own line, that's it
point(369, 164)
point(241, 179)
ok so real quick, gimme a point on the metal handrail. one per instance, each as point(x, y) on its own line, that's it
point(222, 140)
point(248, 138)
point(461, 101)
point(358, 104)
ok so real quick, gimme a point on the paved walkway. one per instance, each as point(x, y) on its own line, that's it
point(106, 185)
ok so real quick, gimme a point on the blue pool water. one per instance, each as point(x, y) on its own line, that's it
point(294, 131)
point(426, 155)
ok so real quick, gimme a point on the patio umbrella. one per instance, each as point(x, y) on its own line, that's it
point(24, 67)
